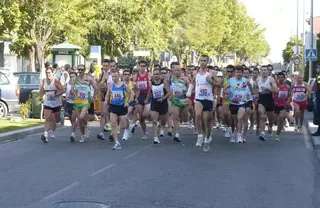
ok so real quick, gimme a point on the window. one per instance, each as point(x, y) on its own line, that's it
point(34, 79)
point(3, 79)
point(22, 79)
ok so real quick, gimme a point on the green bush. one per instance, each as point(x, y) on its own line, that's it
point(25, 109)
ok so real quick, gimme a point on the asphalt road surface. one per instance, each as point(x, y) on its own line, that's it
point(169, 175)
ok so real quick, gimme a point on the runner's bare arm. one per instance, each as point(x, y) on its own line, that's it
point(273, 84)
point(308, 88)
point(42, 92)
point(166, 86)
point(59, 86)
point(102, 83)
point(149, 92)
point(250, 87)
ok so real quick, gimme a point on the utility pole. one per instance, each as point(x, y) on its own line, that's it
point(303, 37)
point(297, 37)
point(311, 39)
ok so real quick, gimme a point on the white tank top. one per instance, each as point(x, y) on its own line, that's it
point(69, 96)
point(203, 88)
point(264, 88)
point(109, 81)
point(51, 99)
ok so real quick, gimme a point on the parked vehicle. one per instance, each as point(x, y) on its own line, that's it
point(311, 96)
point(27, 81)
point(9, 93)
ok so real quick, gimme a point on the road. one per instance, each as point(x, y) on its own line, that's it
point(141, 175)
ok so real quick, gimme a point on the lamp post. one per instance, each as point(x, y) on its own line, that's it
point(311, 39)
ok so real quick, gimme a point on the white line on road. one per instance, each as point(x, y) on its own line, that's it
point(102, 170)
point(132, 154)
point(306, 138)
point(60, 191)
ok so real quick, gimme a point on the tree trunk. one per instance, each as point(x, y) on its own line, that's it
point(40, 58)
point(31, 58)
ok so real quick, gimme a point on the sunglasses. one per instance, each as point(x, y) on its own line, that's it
point(80, 69)
point(163, 72)
point(155, 74)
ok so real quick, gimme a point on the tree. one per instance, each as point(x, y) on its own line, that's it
point(287, 53)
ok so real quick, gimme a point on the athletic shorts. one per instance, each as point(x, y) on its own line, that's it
point(91, 109)
point(68, 108)
point(235, 108)
point(79, 106)
point(191, 98)
point(278, 109)
point(142, 98)
point(206, 104)
point(267, 102)
point(249, 104)
point(119, 110)
point(302, 105)
point(179, 103)
point(132, 104)
point(161, 108)
point(54, 110)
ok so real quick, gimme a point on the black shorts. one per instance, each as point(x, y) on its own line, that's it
point(119, 110)
point(277, 109)
point(206, 104)
point(69, 108)
point(267, 102)
point(235, 108)
point(133, 104)
point(249, 105)
point(54, 110)
point(141, 99)
point(161, 108)
point(91, 109)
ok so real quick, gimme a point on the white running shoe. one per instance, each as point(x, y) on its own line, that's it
point(199, 140)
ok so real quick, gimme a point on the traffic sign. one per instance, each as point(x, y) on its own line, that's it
point(311, 55)
point(297, 61)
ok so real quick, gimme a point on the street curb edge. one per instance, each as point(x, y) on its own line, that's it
point(315, 140)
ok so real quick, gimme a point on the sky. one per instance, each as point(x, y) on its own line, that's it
point(279, 17)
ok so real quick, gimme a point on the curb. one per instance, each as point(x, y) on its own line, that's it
point(20, 134)
point(315, 140)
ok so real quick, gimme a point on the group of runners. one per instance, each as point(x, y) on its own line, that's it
point(236, 97)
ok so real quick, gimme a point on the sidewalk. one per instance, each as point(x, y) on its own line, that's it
point(311, 129)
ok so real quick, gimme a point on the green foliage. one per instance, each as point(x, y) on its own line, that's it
point(214, 27)
point(287, 53)
point(25, 109)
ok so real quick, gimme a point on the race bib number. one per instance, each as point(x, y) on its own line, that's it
point(177, 92)
point(282, 95)
point(142, 85)
point(71, 96)
point(82, 96)
point(203, 92)
point(300, 96)
point(117, 95)
point(158, 94)
point(50, 96)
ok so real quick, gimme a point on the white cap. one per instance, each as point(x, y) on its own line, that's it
point(219, 74)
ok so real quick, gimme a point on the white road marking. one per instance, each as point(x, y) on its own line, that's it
point(102, 170)
point(54, 194)
point(132, 154)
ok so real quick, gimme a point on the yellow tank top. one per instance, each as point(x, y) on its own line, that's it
point(130, 85)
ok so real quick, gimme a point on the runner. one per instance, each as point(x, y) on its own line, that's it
point(52, 89)
point(226, 114)
point(237, 89)
point(127, 79)
point(266, 85)
point(118, 107)
point(249, 105)
point(159, 93)
point(179, 100)
point(253, 117)
point(204, 103)
point(300, 93)
point(143, 105)
point(82, 102)
point(281, 102)
point(70, 96)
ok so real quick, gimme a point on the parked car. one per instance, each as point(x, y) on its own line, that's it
point(311, 96)
point(27, 81)
point(9, 93)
